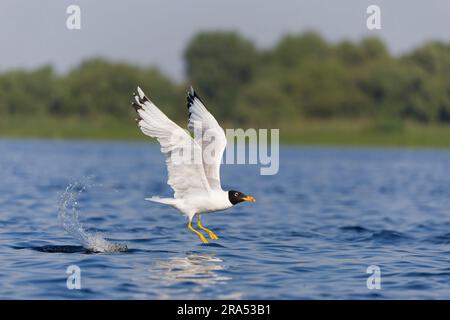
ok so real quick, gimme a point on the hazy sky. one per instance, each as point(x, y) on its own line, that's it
point(155, 32)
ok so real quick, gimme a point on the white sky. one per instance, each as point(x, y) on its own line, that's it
point(155, 32)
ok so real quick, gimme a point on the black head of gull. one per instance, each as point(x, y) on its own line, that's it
point(237, 196)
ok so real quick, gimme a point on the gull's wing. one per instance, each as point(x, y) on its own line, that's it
point(183, 154)
point(212, 138)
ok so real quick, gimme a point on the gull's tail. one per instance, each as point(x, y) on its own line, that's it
point(168, 201)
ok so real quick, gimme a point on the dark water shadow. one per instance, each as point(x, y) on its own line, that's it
point(65, 249)
point(56, 249)
point(213, 245)
point(81, 249)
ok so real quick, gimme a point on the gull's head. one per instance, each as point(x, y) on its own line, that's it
point(236, 197)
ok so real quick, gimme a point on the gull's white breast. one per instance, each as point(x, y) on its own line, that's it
point(205, 202)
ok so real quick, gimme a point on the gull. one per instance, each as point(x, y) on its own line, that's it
point(193, 173)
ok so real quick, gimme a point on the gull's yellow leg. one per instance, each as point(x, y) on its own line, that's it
point(210, 233)
point(198, 233)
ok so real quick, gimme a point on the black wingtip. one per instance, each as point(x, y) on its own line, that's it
point(136, 106)
point(191, 92)
point(191, 95)
point(141, 95)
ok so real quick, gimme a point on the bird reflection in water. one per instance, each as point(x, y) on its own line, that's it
point(200, 269)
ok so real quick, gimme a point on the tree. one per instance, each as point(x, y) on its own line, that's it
point(432, 102)
point(296, 49)
point(219, 64)
point(262, 103)
point(27, 92)
point(101, 87)
point(303, 75)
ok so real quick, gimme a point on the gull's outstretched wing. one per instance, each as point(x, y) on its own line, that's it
point(183, 154)
point(212, 139)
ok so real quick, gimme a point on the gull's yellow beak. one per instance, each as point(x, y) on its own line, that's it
point(248, 198)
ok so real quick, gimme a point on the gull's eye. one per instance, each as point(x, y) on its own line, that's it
point(235, 194)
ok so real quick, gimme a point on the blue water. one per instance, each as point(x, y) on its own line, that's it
point(314, 230)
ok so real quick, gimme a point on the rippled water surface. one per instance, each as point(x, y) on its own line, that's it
point(314, 230)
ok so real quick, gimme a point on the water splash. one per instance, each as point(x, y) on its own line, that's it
point(69, 218)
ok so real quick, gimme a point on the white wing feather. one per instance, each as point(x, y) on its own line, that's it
point(212, 139)
point(184, 177)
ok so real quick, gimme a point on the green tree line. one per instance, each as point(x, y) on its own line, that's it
point(303, 76)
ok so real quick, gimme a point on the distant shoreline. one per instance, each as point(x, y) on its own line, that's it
point(345, 133)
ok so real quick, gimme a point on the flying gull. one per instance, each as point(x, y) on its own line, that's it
point(196, 183)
